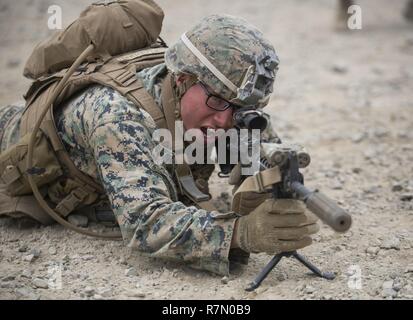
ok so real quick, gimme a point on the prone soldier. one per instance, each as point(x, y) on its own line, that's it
point(220, 66)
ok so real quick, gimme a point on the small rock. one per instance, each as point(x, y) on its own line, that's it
point(89, 291)
point(359, 137)
point(30, 258)
point(391, 243)
point(8, 278)
point(83, 277)
point(26, 274)
point(372, 250)
point(388, 291)
point(337, 185)
point(105, 292)
point(78, 220)
point(88, 257)
point(397, 285)
point(380, 133)
point(52, 251)
point(372, 190)
point(339, 68)
point(123, 261)
point(135, 294)
point(40, 283)
point(26, 293)
point(370, 154)
point(406, 197)
point(23, 248)
point(309, 289)
point(337, 248)
point(393, 275)
point(7, 285)
point(224, 280)
point(35, 253)
point(281, 277)
point(356, 170)
point(97, 297)
point(403, 135)
point(131, 272)
point(397, 187)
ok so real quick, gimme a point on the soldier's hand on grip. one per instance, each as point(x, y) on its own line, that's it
point(247, 201)
point(277, 225)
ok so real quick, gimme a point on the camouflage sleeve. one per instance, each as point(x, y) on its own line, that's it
point(10, 125)
point(141, 193)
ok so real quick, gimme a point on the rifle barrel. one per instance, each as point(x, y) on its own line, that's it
point(323, 207)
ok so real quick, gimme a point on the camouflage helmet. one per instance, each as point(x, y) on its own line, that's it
point(230, 56)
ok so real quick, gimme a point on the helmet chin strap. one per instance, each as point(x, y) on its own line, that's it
point(180, 89)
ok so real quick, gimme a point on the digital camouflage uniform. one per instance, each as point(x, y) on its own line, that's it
point(110, 139)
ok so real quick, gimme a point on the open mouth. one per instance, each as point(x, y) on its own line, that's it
point(205, 130)
point(212, 136)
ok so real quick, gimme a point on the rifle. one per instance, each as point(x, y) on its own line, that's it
point(289, 159)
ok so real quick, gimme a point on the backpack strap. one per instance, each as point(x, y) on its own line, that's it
point(184, 177)
point(118, 73)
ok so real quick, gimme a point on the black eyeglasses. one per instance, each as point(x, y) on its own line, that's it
point(215, 102)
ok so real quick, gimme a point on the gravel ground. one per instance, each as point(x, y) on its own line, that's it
point(346, 96)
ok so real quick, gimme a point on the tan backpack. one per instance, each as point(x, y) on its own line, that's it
point(113, 27)
point(38, 165)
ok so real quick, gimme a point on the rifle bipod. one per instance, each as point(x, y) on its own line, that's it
point(274, 261)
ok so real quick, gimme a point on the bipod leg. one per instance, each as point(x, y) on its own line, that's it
point(264, 273)
point(313, 268)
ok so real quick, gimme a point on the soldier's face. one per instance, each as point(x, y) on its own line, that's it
point(197, 115)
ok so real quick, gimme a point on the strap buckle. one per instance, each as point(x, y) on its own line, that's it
point(187, 184)
point(68, 204)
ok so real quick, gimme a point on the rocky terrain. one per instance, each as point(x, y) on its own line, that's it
point(345, 95)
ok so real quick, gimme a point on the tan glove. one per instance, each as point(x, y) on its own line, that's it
point(277, 225)
point(248, 201)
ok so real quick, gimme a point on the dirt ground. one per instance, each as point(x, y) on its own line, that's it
point(345, 96)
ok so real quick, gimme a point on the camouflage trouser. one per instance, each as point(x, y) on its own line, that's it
point(10, 125)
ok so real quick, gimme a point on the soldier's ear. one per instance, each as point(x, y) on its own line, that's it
point(182, 78)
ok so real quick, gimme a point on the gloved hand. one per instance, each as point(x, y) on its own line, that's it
point(277, 225)
point(247, 201)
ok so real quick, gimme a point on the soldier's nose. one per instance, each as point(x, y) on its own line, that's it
point(223, 119)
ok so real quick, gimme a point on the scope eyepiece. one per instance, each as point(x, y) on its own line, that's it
point(251, 119)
